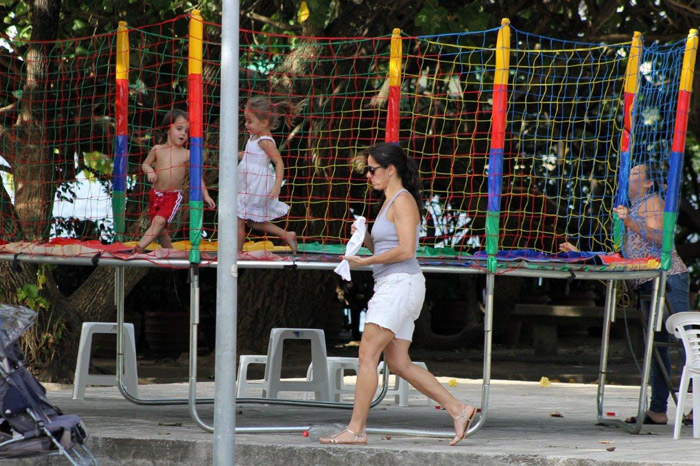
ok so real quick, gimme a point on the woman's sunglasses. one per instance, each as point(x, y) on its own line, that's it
point(370, 169)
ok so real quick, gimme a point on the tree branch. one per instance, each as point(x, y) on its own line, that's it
point(91, 17)
point(628, 37)
point(603, 15)
point(7, 108)
point(685, 9)
point(264, 19)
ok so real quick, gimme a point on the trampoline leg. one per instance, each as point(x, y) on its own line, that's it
point(488, 335)
point(653, 323)
point(194, 325)
point(610, 289)
point(119, 301)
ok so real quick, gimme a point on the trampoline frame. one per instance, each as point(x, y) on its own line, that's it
point(566, 271)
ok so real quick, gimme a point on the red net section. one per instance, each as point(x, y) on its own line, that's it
point(56, 138)
point(337, 90)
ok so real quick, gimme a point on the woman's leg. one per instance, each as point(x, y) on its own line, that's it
point(396, 356)
point(289, 236)
point(374, 339)
point(677, 297)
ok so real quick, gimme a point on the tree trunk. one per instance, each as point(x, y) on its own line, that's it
point(280, 298)
point(52, 343)
point(506, 293)
point(34, 186)
point(469, 335)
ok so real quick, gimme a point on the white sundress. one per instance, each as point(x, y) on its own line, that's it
point(255, 181)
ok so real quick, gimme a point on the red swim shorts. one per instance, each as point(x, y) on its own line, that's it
point(164, 204)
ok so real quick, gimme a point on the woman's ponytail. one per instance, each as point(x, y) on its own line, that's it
point(391, 154)
point(412, 182)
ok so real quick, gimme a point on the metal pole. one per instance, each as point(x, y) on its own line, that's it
point(488, 340)
point(227, 270)
point(610, 296)
point(659, 283)
point(194, 326)
point(119, 302)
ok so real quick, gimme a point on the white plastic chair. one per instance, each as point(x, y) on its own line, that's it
point(317, 379)
point(242, 382)
point(82, 366)
point(318, 384)
point(337, 365)
point(400, 389)
point(686, 326)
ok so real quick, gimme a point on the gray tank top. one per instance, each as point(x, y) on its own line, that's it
point(385, 238)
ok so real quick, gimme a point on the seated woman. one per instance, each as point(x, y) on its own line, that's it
point(644, 233)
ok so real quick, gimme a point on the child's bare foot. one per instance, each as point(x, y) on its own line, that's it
point(291, 239)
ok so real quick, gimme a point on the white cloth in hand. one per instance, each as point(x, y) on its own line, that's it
point(354, 245)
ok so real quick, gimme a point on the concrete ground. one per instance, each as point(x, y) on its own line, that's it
point(527, 424)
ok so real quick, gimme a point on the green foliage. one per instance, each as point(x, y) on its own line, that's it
point(79, 25)
point(437, 17)
point(41, 343)
point(693, 146)
point(86, 17)
point(29, 294)
point(320, 12)
point(98, 162)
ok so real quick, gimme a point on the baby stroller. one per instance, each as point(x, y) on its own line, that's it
point(30, 426)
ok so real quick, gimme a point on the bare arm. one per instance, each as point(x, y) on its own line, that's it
point(568, 247)
point(276, 159)
point(205, 192)
point(404, 214)
point(206, 197)
point(147, 165)
point(651, 226)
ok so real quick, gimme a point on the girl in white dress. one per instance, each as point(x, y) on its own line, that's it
point(259, 187)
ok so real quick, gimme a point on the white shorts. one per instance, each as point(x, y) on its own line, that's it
point(397, 302)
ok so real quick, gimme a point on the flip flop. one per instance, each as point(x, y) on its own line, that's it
point(357, 438)
point(688, 419)
point(647, 420)
point(469, 420)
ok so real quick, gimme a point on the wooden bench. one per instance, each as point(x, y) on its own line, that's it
point(544, 319)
